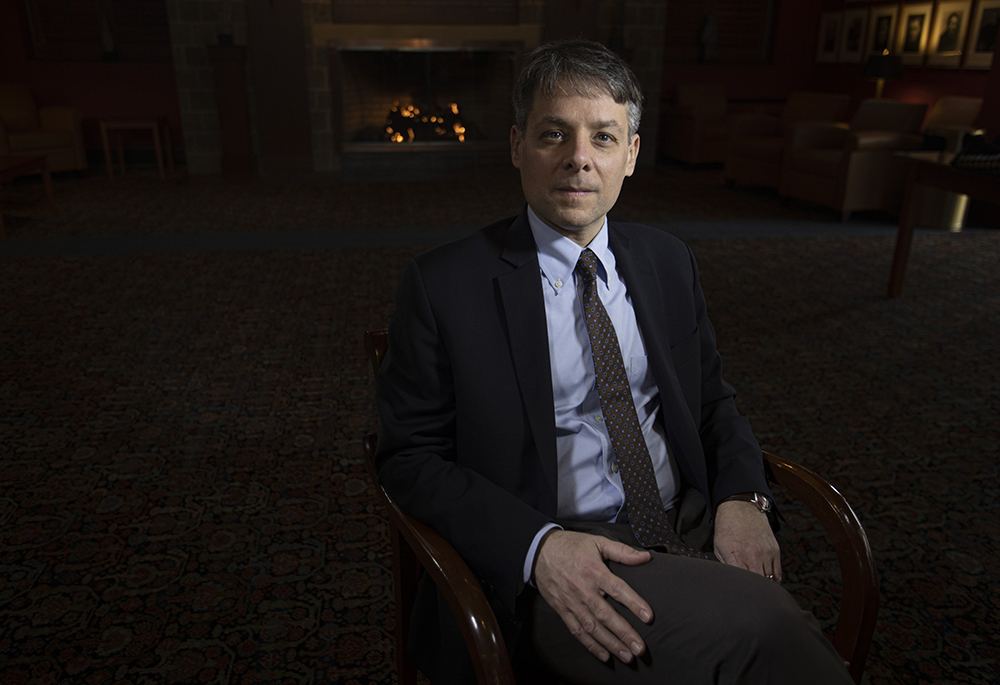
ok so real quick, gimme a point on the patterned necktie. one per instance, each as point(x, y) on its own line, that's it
point(642, 497)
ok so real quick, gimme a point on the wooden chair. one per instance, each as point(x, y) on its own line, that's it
point(414, 542)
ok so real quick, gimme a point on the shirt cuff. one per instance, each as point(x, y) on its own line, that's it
point(529, 559)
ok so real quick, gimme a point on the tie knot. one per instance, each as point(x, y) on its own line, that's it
point(587, 264)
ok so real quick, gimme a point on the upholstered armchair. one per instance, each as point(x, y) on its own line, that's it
point(853, 167)
point(695, 129)
point(26, 129)
point(951, 118)
point(757, 140)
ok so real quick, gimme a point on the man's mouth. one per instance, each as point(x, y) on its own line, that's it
point(571, 191)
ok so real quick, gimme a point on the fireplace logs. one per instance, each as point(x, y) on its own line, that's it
point(421, 123)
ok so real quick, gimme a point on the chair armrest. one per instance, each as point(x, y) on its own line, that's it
point(824, 135)
point(59, 118)
point(859, 601)
point(954, 136)
point(882, 140)
point(753, 125)
point(455, 581)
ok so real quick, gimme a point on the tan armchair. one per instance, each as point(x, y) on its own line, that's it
point(696, 128)
point(26, 129)
point(952, 117)
point(757, 141)
point(853, 167)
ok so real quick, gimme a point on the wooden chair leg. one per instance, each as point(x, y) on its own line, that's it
point(107, 152)
point(158, 148)
point(121, 154)
point(169, 146)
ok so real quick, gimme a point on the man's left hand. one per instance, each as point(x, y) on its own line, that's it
point(743, 538)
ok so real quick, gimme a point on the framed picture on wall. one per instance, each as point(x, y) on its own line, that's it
point(951, 23)
point(882, 29)
point(914, 27)
point(852, 35)
point(829, 36)
point(982, 38)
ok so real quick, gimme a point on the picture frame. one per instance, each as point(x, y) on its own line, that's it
point(852, 35)
point(882, 29)
point(829, 36)
point(982, 37)
point(914, 28)
point(947, 39)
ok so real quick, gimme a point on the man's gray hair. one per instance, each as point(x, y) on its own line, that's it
point(578, 67)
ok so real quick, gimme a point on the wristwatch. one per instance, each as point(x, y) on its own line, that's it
point(762, 501)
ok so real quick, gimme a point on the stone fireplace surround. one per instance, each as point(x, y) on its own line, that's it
point(194, 25)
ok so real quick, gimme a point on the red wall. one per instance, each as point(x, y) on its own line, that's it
point(794, 67)
point(788, 71)
point(98, 89)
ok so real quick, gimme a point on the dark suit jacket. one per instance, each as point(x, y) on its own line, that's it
point(467, 443)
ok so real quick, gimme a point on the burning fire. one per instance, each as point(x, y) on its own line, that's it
point(432, 124)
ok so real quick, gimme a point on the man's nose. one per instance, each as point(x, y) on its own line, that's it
point(577, 154)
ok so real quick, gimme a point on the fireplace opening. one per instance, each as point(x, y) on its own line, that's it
point(414, 95)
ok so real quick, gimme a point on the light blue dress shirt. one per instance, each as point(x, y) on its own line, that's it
point(590, 487)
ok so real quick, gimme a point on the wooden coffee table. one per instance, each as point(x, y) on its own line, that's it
point(12, 167)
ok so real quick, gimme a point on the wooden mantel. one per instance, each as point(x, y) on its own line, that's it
point(527, 34)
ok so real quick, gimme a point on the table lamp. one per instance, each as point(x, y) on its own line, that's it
point(882, 67)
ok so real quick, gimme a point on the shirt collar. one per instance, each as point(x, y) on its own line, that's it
point(558, 255)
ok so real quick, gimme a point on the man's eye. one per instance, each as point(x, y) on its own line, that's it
point(605, 138)
point(553, 135)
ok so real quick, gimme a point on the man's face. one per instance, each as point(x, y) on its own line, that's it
point(573, 157)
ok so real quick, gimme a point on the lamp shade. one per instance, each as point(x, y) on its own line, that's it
point(887, 67)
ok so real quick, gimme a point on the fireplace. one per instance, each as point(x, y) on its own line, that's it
point(413, 95)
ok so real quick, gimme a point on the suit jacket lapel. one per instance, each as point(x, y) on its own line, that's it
point(524, 316)
point(654, 319)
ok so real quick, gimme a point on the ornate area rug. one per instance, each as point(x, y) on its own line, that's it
point(182, 495)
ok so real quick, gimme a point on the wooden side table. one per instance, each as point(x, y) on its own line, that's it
point(933, 170)
point(155, 126)
point(12, 167)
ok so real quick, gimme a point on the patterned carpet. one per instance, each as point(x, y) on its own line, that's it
point(182, 497)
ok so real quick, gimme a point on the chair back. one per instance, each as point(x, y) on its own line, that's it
point(707, 100)
point(804, 106)
point(17, 109)
point(376, 344)
point(954, 110)
point(888, 115)
point(413, 541)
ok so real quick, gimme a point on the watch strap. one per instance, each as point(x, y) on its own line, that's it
point(763, 502)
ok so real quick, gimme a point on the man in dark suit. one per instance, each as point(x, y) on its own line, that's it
point(501, 428)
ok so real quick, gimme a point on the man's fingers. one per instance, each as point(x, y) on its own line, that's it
point(620, 552)
point(572, 576)
point(602, 630)
point(577, 630)
point(775, 564)
point(612, 631)
point(622, 592)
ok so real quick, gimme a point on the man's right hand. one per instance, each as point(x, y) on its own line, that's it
point(572, 577)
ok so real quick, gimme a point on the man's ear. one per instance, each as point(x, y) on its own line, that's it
point(633, 154)
point(515, 146)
